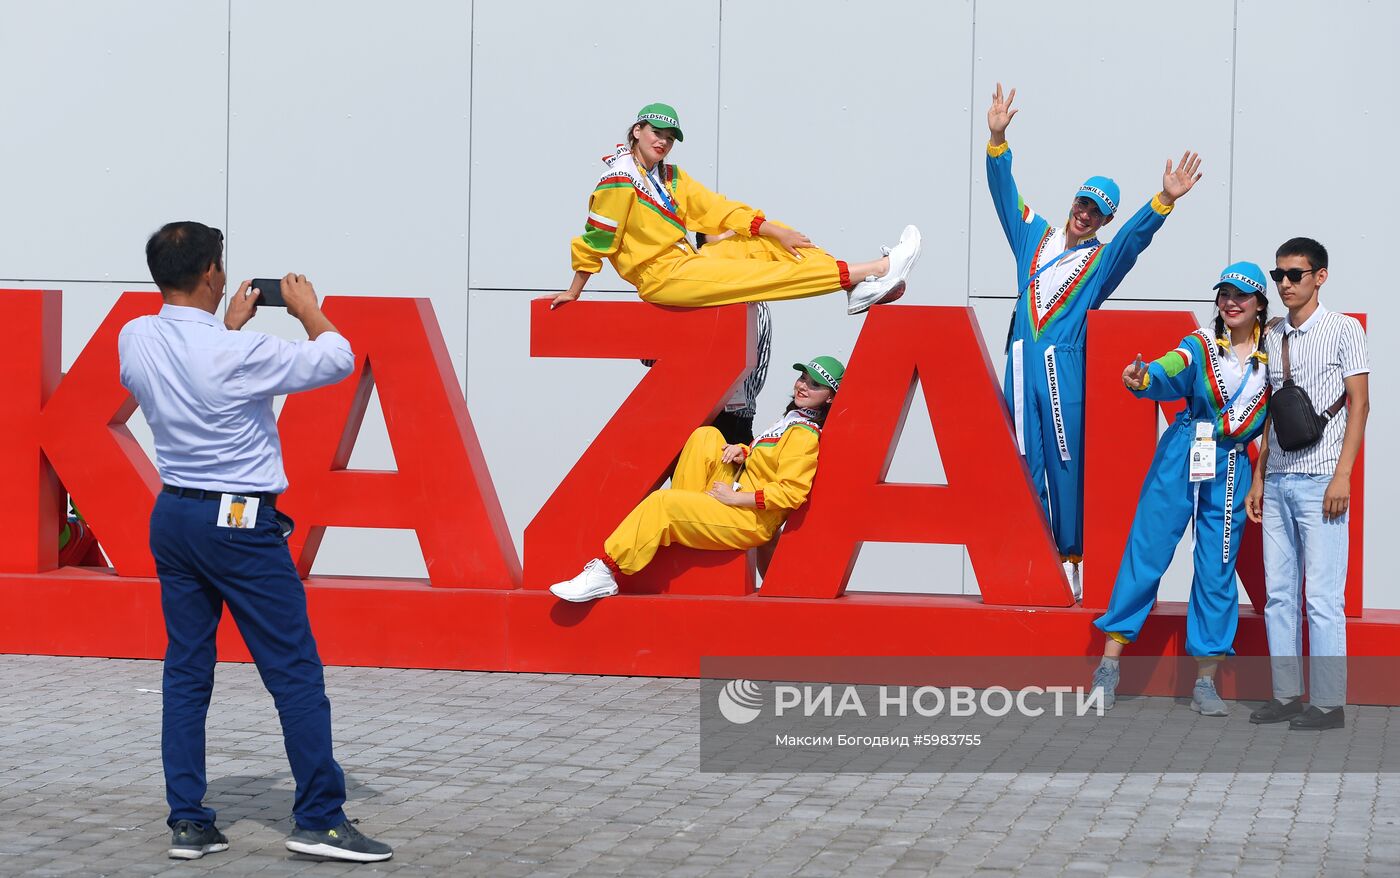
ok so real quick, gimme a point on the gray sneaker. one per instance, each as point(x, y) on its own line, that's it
point(343, 842)
point(1205, 700)
point(190, 840)
point(1106, 678)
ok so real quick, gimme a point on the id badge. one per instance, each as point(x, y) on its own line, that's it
point(1202, 460)
point(237, 511)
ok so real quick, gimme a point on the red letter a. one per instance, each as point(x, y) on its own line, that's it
point(988, 504)
point(442, 488)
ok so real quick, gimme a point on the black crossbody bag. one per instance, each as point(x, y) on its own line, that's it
point(1296, 423)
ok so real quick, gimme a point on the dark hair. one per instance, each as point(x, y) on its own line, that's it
point(632, 138)
point(1262, 317)
point(1315, 253)
point(180, 253)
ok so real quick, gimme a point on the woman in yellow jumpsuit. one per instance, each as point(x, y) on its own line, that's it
point(722, 496)
point(641, 209)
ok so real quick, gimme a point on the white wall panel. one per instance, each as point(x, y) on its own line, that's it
point(114, 119)
point(850, 120)
point(534, 416)
point(350, 130)
point(1314, 122)
point(555, 86)
point(1114, 89)
point(349, 142)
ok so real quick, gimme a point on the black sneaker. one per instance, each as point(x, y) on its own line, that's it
point(1315, 719)
point(344, 842)
point(190, 840)
point(1277, 711)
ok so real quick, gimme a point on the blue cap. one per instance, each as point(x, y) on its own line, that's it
point(1244, 276)
point(1104, 193)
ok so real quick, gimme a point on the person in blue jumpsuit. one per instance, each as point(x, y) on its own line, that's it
point(1063, 272)
point(1201, 473)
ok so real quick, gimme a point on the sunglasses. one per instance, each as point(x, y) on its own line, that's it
point(1293, 274)
point(1087, 205)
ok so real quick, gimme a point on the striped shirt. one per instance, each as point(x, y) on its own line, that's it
point(744, 402)
point(1327, 349)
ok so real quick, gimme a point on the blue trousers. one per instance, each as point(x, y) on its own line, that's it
point(1299, 542)
point(1168, 503)
point(202, 567)
point(1044, 417)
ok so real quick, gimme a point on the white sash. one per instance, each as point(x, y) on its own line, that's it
point(623, 162)
point(1256, 382)
point(796, 416)
point(1052, 381)
point(1051, 285)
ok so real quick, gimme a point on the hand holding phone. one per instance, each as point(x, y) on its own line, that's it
point(269, 292)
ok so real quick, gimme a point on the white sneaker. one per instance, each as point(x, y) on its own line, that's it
point(596, 581)
point(1075, 578)
point(889, 286)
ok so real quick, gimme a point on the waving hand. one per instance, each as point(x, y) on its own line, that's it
point(1000, 114)
point(1176, 183)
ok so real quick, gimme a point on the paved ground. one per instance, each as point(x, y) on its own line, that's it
point(518, 774)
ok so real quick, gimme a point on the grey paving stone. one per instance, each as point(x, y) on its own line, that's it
point(536, 775)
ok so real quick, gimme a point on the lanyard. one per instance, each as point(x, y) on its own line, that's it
point(1092, 242)
point(655, 182)
point(1230, 403)
point(1244, 380)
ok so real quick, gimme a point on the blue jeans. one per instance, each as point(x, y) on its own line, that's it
point(1299, 544)
point(203, 568)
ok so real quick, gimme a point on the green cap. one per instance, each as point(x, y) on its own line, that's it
point(826, 371)
point(661, 116)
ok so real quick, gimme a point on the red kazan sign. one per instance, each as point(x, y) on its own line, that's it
point(482, 608)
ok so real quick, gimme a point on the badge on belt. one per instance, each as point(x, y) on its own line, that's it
point(1203, 453)
point(237, 510)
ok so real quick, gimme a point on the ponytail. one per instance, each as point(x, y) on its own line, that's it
point(1263, 318)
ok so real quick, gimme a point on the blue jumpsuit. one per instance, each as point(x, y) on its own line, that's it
point(1203, 372)
point(1044, 383)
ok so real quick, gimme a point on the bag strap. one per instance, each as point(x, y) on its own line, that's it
point(1335, 407)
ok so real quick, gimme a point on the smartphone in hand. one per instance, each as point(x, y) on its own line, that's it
point(269, 292)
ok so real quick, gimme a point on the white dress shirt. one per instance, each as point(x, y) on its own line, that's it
point(206, 393)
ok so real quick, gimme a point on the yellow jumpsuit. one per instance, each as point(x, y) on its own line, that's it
point(778, 470)
point(645, 239)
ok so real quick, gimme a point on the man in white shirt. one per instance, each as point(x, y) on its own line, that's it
point(1302, 496)
point(206, 390)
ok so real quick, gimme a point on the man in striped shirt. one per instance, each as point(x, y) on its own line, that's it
point(1302, 496)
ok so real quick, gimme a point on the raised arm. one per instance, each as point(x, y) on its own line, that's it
point(1017, 220)
point(1122, 252)
point(1000, 114)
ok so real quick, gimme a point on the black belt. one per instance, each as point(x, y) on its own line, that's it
point(268, 500)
